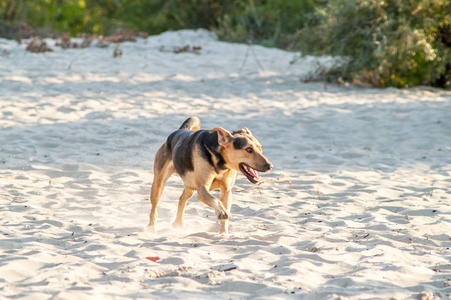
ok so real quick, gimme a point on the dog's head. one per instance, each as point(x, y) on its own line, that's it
point(242, 152)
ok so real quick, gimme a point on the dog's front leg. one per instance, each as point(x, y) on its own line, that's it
point(226, 199)
point(205, 196)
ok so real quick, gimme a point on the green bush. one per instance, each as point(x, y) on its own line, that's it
point(384, 43)
point(161, 15)
point(67, 16)
point(271, 22)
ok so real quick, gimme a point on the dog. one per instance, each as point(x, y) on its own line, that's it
point(206, 160)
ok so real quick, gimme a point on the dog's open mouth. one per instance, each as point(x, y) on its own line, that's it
point(249, 172)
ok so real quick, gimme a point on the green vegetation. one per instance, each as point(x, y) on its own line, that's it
point(68, 16)
point(262, 21)
point(383, 43)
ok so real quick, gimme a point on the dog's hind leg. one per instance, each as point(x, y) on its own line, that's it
point(163, 169)
point(186, 195)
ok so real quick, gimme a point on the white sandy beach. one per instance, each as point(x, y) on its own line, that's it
point(359, 209)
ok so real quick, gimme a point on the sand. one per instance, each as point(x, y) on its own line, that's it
point(356, 207)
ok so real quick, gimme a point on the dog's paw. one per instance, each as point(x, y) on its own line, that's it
point(151, 228)
point(223, 215)
point(178, 224)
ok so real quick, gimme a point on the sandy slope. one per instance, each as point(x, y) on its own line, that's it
point(360, 211)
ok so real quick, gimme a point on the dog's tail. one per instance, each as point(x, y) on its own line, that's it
point(192, 123)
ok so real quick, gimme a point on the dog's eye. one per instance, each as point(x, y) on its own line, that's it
point(249, 150)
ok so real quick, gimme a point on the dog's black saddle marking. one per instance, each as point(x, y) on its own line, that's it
point(211, 147)
point(183, 142)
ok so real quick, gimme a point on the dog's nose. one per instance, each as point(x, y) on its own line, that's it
point(268, 166)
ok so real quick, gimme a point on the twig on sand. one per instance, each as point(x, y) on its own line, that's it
point(184, 49)
point(264, 182)
point(187, 48)
point(37, 46)
point(117, 51)
point(253, 53)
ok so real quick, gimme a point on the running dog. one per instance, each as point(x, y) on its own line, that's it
point(206, 160)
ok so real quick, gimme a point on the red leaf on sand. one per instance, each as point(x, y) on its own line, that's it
point(153, 258)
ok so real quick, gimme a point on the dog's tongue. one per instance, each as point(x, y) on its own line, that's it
point(253, 173)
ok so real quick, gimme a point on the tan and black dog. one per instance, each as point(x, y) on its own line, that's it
point(206, 160)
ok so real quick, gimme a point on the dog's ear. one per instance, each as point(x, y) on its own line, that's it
point(243, 131)
point(223, 135)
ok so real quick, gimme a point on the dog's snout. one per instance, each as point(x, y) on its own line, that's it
point(268, 166)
